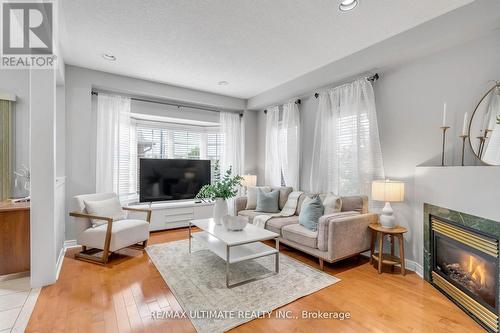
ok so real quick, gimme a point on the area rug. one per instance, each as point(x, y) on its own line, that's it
point(197, 281)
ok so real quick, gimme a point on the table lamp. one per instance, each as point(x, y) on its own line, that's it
point(248, 180)
point(388, 191)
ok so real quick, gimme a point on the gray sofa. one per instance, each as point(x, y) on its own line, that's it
point(339, 235)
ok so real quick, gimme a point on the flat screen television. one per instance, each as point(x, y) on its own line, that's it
point(171, 179)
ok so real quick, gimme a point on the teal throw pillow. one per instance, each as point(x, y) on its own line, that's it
point(267, 202)
point(310, 213)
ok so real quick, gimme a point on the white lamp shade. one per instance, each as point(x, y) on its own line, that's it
point(388, 191)
point(249, 180)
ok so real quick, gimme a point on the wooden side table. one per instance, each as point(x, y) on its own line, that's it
point(385, 258)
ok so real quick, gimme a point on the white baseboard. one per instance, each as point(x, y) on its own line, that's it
point(67, 244)
point(414, 266)
point(60, 260)
point(70, 243)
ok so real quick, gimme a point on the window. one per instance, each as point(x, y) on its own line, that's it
point(215, 145)
point(166, 140)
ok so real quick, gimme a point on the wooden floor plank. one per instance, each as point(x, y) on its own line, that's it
point(121, 296)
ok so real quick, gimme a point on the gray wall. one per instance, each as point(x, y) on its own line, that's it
point(409, 99)
point(409, 105)
point(17, 82)
point(80, 121)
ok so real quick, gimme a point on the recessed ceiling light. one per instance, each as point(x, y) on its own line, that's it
point(222, 83)
point(108, 56)
point(347, 5)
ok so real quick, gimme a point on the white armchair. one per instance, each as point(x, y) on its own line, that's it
point(110, 236)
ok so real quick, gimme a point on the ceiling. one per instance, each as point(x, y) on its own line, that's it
point(255, 45)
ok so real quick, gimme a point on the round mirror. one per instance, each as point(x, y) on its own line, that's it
point(484, 128)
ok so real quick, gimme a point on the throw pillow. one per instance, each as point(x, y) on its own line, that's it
point(106, 208)
point(267, 202)
point(332, 203)
point(252, 195)
point(312, 210)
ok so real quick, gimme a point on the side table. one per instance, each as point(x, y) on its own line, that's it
point(385, 258)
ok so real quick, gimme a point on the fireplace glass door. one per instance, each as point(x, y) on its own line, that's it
point(467, 268)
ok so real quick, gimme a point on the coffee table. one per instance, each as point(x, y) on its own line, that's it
point(236, 246)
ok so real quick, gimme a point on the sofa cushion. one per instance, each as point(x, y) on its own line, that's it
point(312, 210)
point(276, 223)
point(250, 214)
point(284, 193)
point(355, 203)
point(267, 202)
point(252, 195)
point(301, 235)
point(123, 233)
point(332, 203)
point(106, 208)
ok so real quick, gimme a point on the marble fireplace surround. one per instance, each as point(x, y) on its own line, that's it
point(473, 222)
point(476, 223)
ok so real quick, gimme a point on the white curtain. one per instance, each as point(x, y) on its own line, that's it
point(272, 163)
point(232, 155)
point(346, 150)
point(116, 148)
point(230, 124)
point(289, 148)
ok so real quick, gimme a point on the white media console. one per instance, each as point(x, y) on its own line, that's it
point(168, 215)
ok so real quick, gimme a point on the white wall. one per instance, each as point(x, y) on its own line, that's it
point(409, 106)
point(43, 177)
point(80, 121)
point(60, 131)
point(473, 190)
point(17, 82)
point(250, 128)
point(409, 99)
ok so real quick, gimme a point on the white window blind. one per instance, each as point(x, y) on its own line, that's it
point(166, 140)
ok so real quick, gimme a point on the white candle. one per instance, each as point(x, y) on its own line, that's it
point(444, 114)
point(464, 129)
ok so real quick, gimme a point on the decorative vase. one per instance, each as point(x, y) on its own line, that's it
point(220, 210)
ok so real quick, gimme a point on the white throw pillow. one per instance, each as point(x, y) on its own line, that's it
point(332, 203)
point(252, 195)
point(105, 208)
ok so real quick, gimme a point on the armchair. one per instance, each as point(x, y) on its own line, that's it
point(109, 237)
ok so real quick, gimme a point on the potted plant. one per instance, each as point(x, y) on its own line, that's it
point(223, 188)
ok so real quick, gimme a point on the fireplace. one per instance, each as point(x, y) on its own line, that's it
point(464, 266)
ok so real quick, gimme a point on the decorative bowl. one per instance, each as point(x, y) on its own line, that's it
point(235, 223)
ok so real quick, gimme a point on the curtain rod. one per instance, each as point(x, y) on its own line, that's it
point(96, 93)
point(297, 101)
point(372, 78)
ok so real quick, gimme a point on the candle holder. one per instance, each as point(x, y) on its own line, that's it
point(444, 129)
point(463, 137)
point(481, 145)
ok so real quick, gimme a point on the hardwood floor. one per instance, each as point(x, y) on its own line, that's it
point(120, 297)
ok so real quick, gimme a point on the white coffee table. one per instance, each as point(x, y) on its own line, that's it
point(236, 246)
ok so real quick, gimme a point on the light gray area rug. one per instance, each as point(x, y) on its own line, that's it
point(198, 282)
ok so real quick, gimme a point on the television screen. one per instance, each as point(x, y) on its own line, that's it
point(171, 179)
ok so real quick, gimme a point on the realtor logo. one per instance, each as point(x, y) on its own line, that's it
point(27, 35)
point(27, 28)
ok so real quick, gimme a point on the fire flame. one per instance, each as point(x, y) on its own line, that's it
point(477, 270)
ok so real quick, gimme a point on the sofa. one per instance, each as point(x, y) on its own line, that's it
point(339, 235)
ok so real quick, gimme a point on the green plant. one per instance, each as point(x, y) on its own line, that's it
point(498, 120)
point(224, 187)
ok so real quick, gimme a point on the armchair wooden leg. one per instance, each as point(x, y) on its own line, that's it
point(321, 264)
